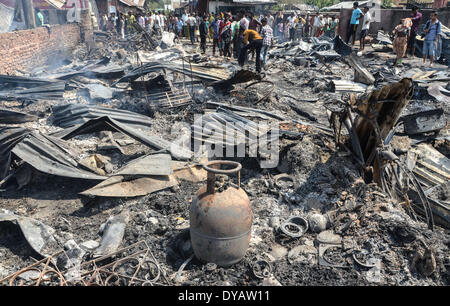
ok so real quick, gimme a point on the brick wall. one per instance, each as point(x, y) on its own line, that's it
point(28, 49)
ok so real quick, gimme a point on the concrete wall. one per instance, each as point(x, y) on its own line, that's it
point(389, 19)
point(28, 49)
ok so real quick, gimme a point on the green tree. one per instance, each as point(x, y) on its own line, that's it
point(155, 5)
point(387, 3)
point(321, 3)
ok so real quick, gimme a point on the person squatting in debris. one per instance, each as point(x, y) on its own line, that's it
point(203, 29)
point(254, 25)
point(401, 33)
point(357, 14)
point(252, 40)
point(432, 31)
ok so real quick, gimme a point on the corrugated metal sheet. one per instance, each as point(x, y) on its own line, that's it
point(136, 3)
point(57, 3)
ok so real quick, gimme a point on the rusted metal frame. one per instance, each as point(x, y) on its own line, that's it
point(349, 124)
point(176, 103)
point(94, 261)
point(403, 193)
point(381, 175)
point(41, 270)
point(169, 97)
point(97, 270)
point(324, 63)
point(180, 103)
point(115, 263)
point(164, 94)
point(132, 278)
point(423, 198)
point(262, 81)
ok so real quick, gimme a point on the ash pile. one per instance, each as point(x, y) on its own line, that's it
point(99, 167)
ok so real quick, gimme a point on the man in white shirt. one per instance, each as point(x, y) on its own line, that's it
point(365, 27)
point(270, 20)
point(244, 23)
point(291, 20)
point(141, 21)
point(313, 29)
point(184, 17)
point(191, 22)
point(318, 24)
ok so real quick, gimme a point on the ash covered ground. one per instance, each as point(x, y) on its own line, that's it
point(379, 242)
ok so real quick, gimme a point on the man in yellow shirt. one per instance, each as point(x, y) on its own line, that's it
point(130, 20)
point(252, 40)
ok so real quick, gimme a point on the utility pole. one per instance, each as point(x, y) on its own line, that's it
point(28, 12)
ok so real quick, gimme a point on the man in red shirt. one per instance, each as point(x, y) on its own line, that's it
point(221, 26)
point(416, 17)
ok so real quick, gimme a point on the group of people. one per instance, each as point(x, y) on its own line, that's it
point(231, 35)
point(245, 33)
point(123, 24)
point(405, 33)
point(236, 35)
point(294, 27)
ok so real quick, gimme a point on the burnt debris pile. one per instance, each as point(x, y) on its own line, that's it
point(340, 167)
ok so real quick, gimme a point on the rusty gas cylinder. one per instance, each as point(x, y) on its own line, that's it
point(220, 218)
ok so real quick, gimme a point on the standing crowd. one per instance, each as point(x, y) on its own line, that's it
point(405, 33)
point(245, 34)
point(231, 35)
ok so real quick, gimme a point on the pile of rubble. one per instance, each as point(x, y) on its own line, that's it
point(96, 178)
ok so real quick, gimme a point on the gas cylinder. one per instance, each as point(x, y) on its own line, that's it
point(220, 218)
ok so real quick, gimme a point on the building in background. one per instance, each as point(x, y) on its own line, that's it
point(54, 11)
point(211, 6)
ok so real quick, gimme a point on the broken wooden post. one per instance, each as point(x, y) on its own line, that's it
point(378, 113)
point(362, 75)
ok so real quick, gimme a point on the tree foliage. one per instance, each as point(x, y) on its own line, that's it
point(321, 3)
point(387, 3)
point(155, 5)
